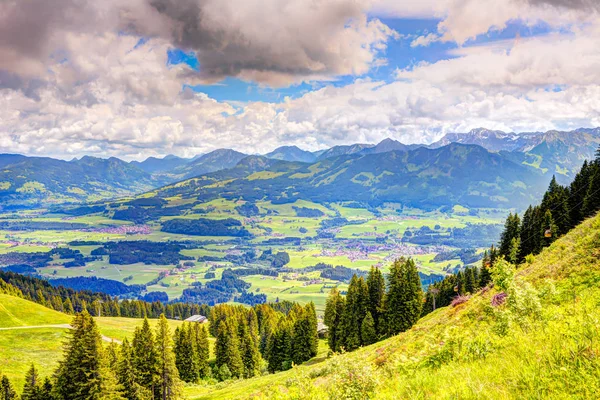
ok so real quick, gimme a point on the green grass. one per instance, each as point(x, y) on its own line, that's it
point(544, 343)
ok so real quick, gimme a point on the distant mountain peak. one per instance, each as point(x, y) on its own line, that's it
point(291, 153)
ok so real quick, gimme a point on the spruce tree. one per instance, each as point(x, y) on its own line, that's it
point(512, 229)
point(591, 203)
point(185, 359)
point(578, 191)
point(168, 385)
point(7, 392)
point(367, 330)
point(250, 353)
point(46, 390)
point(279, 347)
point(32, 389)
point(145, 359)
point(355, 310)
point(227, 348)
point(201, 350)
point(334, 309)
point(376, 285)
point(83, 373)
point(404, 298)
point(126, 375)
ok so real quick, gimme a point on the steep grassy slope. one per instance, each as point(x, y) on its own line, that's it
point(31, 333)
point(543, 342)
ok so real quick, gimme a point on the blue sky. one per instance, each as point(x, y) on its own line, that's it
point(399, 54)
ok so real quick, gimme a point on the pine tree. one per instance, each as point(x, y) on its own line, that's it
point(469, 281)
point(145, 359)
point(32, 389)
point(250, 353)
point(68, 307)
point(512, 229)
point(404, 298)
point(227, 348)
point(515, 249)
point(367, 330)
point(7, 392)
point(279, 347)
point(201, 350)
point(485, 275)
point(376, 285)
point(313, 338)
point(528, 231)
point(46, 390)
point(355, 310)
point(84, 373)
point(184, 353)
point(578, 191)
point(168, 385)
point(334, 309)
point(126, 374)
point(591, 203)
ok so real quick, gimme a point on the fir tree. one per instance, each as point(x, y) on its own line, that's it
point(334, 309)
point(32, 389)
point(201, 350)
point(126, 375)
point(512, 229)
point(591, 203)
point(404, 298)
point(355, 310)
point(250, 353)
point(227, 348)
point(279, 347)
point(367, 330)
point(376, 285)
point(168, 385)
point(84, 373)
point(145, 359)
point(46, 390)
point(184, 353)
point(578, 191)
point(7, 392)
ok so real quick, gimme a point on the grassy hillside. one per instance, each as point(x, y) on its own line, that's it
point(543, 342)
point(30, 333)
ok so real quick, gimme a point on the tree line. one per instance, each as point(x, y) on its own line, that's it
point(374, 309)
point(71, 301)
point(561, 209)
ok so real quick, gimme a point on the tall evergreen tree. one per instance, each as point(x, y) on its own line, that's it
point(168, 385)
point(32, 390)
point(7, 392)
point(404, 298)
point(83, 373)
point(227, 348)
point(201, 350)
point(279, 347)
point(334, 309)
point(376, 285)
point(512, 229)
point(145, 359)
point(355, 310)
point(367, 330)
point(591, 203)
point(578, 191)
point(126, 375)
point(185, 358)
point(46, 390)
point(249, 351)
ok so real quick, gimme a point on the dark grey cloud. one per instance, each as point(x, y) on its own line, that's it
point(269, 41)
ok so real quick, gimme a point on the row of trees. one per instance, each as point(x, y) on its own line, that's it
point(372, 310)
point(562, 208)
point(97, 304)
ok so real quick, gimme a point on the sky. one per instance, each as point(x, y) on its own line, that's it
point(142, 78)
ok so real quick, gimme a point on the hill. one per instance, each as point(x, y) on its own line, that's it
point(30, 332)
point(292, 153)
point(214, 161)
point(154, 165)
point(541, 342)
point(37, 180)
point(423, 178)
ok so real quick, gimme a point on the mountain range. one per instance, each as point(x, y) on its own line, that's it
point(538, 155)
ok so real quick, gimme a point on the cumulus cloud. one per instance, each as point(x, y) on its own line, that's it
point(268, 41)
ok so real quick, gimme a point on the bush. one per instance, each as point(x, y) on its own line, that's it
point(353, 381)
